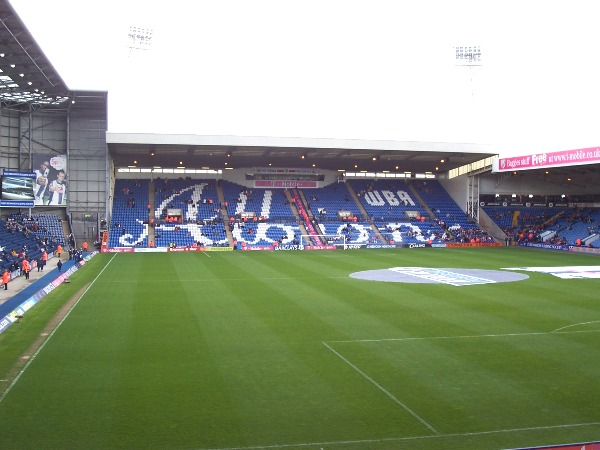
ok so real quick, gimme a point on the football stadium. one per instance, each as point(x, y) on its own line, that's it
point(338, 226)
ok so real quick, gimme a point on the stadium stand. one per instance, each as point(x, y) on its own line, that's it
point(387, 200)
point(327, 202)
point(260, 217)
point(446, 212)
point(396, 212)
point(195, 217)
point(22, 236)
point(129, 225)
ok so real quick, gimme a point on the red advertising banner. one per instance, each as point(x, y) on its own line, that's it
point(283, 184)
point(474, 244)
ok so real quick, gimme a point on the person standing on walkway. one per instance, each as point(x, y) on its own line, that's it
point(59, 264)
point(5, 279)
point(26, 267)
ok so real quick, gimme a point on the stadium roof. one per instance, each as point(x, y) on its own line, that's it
point(27, 77)
point(220, 152)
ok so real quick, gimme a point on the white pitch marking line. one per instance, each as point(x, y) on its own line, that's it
point(407, 438)
point(52, 333)
point(474, 336)
point(382, 389)
point(576, 324)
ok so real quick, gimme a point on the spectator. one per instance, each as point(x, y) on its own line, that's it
point(5, 279)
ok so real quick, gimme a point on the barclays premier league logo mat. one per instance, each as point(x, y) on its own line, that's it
point(470, 277)
point(453, 277)
point(564, 272)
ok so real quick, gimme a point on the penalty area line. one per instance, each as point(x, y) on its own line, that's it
point(382, 389)
point(473, 336)
point(408, 438)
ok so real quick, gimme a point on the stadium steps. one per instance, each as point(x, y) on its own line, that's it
point(590, 239)
point(309, 211)
point(356, 200)
point(224, 213)
point(292, 204)
point(490, 227)
point(66, 230)
point(294, 210)
point(422, 203)
point(377, 231)
point(151, 215)
point(364, 211)
point(515, 219)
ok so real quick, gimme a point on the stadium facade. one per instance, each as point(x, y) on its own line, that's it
point(42, 119)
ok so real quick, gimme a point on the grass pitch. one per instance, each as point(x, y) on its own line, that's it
point(283, 350)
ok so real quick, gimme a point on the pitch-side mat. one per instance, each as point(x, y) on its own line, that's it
point(469, 277)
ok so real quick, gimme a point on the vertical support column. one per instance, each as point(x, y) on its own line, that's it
point(473, 197)
point(69, 168)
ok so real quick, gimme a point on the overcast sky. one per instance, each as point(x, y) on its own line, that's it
point(335, 69)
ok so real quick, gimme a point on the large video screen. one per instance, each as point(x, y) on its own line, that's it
point(17, 189)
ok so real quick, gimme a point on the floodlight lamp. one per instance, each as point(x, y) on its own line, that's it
point(468, 55)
